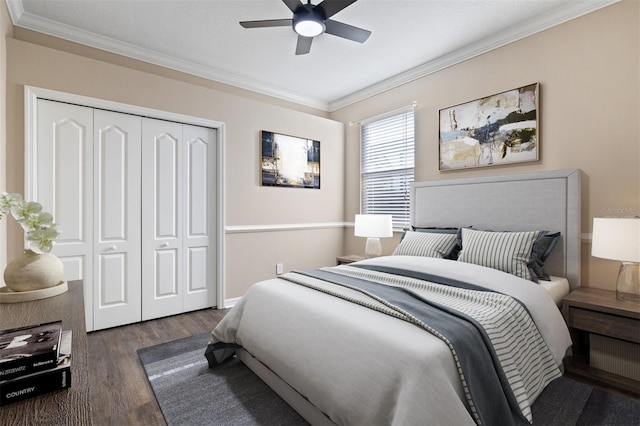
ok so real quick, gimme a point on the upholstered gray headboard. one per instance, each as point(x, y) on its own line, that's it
point(535, 201)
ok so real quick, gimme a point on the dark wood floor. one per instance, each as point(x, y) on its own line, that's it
point(120, 392)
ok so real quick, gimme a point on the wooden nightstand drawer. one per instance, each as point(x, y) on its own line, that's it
point(607, 324)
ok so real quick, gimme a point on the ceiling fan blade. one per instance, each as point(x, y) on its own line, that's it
point(267, 23)
point(346, 31)
point(331, 7)
point(304, 45)
point(293, 5)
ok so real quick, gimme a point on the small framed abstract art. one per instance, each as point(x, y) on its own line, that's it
point(494, 130)
point(290, 161)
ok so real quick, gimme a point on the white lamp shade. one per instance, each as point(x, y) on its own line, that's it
point(373, 226)
point(616, 238)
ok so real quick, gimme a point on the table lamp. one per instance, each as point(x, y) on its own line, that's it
point(619, 239)
point(374, 227)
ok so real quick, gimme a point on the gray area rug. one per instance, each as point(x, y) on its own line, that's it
point(189, 393)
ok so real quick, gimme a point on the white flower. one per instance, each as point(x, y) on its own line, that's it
point(7, 201)
point(24, 211)
point(39, 226)
point(42, 239)
point(40, 220)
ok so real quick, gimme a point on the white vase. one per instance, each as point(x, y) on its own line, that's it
point(33, 271)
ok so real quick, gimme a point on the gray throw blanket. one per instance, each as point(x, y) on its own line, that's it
point(458, 313)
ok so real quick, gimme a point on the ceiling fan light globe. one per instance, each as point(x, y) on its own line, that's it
point(308, 26)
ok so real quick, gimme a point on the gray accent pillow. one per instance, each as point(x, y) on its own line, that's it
point(435, 230)
point(542, 248)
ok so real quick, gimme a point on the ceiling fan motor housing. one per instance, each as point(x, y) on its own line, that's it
point(308, 23)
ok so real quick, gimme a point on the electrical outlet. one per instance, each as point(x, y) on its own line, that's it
point(279, 269)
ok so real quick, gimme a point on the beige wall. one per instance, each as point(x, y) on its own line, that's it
point(589, 74)
point(6, 30)
point(249, 257)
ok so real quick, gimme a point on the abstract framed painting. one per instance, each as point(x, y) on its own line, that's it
point(494, 130)
point(289, 161)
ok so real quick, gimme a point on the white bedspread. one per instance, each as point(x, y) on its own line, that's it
point(360, 366)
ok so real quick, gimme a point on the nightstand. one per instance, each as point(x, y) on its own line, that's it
point(590, 311)
point(344, 260)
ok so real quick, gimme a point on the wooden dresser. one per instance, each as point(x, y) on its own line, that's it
point(63, 407)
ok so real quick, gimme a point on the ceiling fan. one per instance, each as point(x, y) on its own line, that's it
point(309, 21)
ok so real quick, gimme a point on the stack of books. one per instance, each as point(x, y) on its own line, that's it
point(34, 360)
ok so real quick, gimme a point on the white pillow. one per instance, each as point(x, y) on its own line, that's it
point(426, 244)
point(507, 251)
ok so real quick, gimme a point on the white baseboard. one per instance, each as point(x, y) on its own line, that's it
point(229, 303)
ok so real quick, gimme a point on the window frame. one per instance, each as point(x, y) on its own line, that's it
point(407, 134)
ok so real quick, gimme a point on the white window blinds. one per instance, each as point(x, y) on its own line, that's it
point(387, 154)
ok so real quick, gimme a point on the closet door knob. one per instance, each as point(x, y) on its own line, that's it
point(110, 248)
point(164, 245)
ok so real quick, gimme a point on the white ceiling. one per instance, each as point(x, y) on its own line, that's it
point(410, 39)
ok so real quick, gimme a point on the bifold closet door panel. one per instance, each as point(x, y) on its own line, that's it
point(162, 218)
point(63, 176)
point(117, 219)
point(200, 239)
point(136, 201)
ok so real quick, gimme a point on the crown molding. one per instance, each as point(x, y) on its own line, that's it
point(39, 24)
point(571, 10)
point(15, 10)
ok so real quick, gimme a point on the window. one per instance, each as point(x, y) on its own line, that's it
point(386, 171)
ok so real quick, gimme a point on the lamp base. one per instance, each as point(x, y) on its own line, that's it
point(628, 282)
point(373, 248)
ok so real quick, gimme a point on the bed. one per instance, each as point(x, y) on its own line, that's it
point(387, 340)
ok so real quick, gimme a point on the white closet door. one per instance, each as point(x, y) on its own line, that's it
point(64, 186)
point(117, 218)
point(199, 242)
point(162, 207)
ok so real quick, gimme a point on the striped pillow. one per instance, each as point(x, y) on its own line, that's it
point(426, 244)
point(507, 251)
